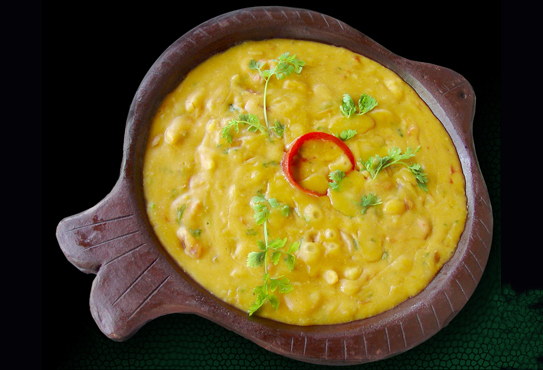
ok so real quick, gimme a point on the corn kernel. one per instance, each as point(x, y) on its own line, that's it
point(330, 276)
point(352, 273)
point(349, 287)
point(176, 130)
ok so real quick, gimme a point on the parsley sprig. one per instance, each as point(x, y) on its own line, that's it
point(279, 128)
point(286, 64)
point(368, 201)
point(375, 164)
point(247, 119)
point(365, 104)
point(271, 250)
point(347, 134)
point(335, 177)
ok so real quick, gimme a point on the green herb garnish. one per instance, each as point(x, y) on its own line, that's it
point(375, 164)
point(347, 107)
point(247, 119)
point(196, 233)
point(347, 134)
point(286, 64)
point(179, 212)
point(279, 128)
point(368, 201)
point(270, 163)
point(335, 177)
point(365, 104)
point(270, 251)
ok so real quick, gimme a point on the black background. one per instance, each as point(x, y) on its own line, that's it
point(98, 53)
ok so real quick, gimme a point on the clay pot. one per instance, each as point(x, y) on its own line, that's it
point(136, 281)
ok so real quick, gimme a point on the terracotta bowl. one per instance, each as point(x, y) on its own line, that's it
point(136, 281)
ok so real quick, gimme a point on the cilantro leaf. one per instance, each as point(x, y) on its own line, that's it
point(261, 213)
point(274, 202)
point(286, 64)
point(279, 128)
point(248, 119)
point(258, 198)
point(274, 301)
point(293, 247)
point(368, 201)
point(277, 243)
point(421, 177)
point(225, 132)
point(179, 213)
point(256, 259)
point(196, 233)
point(290, 262)
point(366, 103)
point(254, 65)
point(275, 249)
point(336, 177)
point(275, 257)
point(252, 121)
point(347, 134)
point(261, 298)
point(375, 164)
point(285, 210)
point(251, 232)
point(347, 106)
point(284, 286)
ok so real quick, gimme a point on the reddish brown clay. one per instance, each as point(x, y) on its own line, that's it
point(136, 281)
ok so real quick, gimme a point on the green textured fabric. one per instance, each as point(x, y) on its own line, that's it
point(508, 340)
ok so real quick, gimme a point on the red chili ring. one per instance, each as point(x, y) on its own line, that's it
point(295, 147)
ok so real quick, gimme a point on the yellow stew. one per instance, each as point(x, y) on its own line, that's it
point(321, 240)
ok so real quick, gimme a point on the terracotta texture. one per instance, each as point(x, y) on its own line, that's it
point(136, 281)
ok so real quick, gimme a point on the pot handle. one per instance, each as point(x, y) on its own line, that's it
point(134, 282)
point(93, 238)
point(453, 93)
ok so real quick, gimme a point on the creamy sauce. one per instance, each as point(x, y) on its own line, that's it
point(350, 264)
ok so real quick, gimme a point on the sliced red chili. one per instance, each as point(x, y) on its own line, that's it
point(297, 145)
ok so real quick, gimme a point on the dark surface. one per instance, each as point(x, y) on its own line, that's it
point(100, 75)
